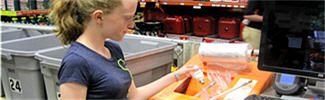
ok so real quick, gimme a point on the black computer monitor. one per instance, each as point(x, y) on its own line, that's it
point(293, 38)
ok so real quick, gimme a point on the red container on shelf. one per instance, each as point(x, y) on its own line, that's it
point(188, 23)
point(208, 40)
point(203, 26)
point(183, 37)
point(153, 15)
point(242, 26)
point(228, 28)
point(174, 25)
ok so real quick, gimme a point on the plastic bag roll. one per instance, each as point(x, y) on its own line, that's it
point(232, 56)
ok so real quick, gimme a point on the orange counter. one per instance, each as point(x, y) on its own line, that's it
point(186, 88)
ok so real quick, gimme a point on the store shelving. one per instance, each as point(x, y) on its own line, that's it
point(196, 4)
point(24, 13)
point(147, 0)
point(144, 2)
point(205, 3)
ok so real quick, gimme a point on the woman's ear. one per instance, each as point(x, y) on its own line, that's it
point(98, 16)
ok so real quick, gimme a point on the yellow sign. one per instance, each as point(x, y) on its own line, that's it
point(8, 13)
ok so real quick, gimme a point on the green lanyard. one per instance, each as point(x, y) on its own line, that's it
point(124, 68)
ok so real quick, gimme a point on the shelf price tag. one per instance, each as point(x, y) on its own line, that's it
point(196, 7)
point(242, 6)
point(153, 1)
point(214, 5)
point(320, 75)
point(223, 5)
point(182, 4)
point(142, 4)
point(229, 6)
point(15, 85)
point(165, 3)
point(200, 4)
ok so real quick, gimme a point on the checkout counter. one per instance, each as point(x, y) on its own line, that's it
point(292, 46)
point(186, 89)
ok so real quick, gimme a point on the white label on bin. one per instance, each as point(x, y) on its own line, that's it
point(58, 95)
point(15, 85)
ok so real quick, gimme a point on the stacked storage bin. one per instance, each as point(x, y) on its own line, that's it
point(185, 49)
point(150, 61)
point(21, 74)
point(12, 34)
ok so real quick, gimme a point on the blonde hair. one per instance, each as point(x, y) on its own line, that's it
point(71, 16)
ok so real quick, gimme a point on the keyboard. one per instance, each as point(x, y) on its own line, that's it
point(258, 97)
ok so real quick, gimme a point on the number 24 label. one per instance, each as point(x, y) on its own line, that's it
point(15, 85)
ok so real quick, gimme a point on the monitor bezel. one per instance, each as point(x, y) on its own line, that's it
point(281, 69)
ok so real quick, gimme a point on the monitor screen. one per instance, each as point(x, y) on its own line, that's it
point(293, 38)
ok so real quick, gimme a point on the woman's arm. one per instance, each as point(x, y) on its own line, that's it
point(144, 92)
point(254, 18)
point(73, 91)
point(252, 9)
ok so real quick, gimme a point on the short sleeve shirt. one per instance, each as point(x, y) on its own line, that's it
point(252, 7)
point(104, 78)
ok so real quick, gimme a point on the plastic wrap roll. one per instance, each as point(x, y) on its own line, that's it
point(232, 56)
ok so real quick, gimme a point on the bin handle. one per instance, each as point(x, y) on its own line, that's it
point(7, 55)
point(45, 68)
point(178, 51)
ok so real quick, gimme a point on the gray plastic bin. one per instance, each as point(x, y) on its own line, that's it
point(2, 90)
point(14, 33)
point(21, 74)
point(11, 34)
point(147, 59)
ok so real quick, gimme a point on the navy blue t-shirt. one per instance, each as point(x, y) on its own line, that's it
point(104, 78)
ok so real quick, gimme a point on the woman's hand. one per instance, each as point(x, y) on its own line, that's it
point(185, 71)
point(144, 92)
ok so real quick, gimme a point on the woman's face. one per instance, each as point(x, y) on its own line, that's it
point(116, 24)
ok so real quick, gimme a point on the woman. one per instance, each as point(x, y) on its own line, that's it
point(91, 67)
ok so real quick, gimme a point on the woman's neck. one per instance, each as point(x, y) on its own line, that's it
point(95, 42)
